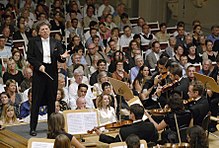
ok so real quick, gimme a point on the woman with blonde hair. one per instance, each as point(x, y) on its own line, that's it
point(56, 126)
point(62, 141)
point(8, 115)
point(105, 111)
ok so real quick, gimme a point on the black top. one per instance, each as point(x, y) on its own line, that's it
point(183, 119)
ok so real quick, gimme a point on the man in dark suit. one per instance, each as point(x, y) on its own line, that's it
point(199, 107)
point(143, 129)
point(43, 54)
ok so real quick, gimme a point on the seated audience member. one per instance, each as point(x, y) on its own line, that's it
point(180, 33)
point(201, 47)
point(206, 67)
point(21, 34)
point(119, 56)
point(138, 29)
point(109, 22)
point(175, 103)
point(197, 32)
point(183, 63)
point(62, 85)
point(93, 50)
point(143, 129)
point(4, 101)
point(101, 66)
point(81, 103)
point(5, 51)
point(119, 73)
point(108, 90)
point(170, 49)
point(154, 56)
point(18, 58)
point(56, 126)
point(142, 77)
point(209, 53)
point(126, 37)
point(124, 21)
point(200, 106)
point(105, 32)
point(105, 3)
point(82, 91)
point(94, 34)
point(99, 42)
point(25, 107)
point(102, 77)
point(15, 97)
point(178, 50)
point(132, 141)
point(197, 138)
point(134, 70)
point(13, 73)
point(146, 35)
point(60, 97)
point(214, 33)
point(162, 35)
point(27, 82)
point(90, 15)
point(193, 57)
point(120, 9)
point(57, 107)
point(8, 116)
point(62, 141)
point(105, 111)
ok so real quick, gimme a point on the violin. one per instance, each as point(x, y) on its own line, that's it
point(113, 125)
point(160, 111)
point(169, 86)
point(188, 101)
point(175, 145)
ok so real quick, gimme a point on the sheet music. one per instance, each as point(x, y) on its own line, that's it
point(42, 145)
point(124, 146)
point(81, 122)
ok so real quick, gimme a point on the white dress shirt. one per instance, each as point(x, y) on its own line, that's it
point(46, 51)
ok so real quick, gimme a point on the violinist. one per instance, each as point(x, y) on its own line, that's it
point(143, 129)
point(180, 81)
point(160, 77)
point(184, 119)
point(199, 107)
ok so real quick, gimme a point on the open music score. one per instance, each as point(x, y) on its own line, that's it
point(40, 143)
point(78, 122)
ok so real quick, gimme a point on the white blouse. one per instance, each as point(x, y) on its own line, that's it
point(107, 116)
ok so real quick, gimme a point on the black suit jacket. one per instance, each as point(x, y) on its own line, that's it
point(143, 129)
point(35, 53)
point(199, 110)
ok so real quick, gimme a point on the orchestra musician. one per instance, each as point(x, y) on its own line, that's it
point(199, 107)
point(184, 119)
point(160, 77)
point(143, 129)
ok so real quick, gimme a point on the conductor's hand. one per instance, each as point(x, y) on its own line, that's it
point(65, 54)
point(42, 68)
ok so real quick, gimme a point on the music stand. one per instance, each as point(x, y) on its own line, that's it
point(123, 90)
point(208, 82)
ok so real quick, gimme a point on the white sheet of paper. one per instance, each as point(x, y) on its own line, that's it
point(141, 146)
point(81, 122)
point(42, 145)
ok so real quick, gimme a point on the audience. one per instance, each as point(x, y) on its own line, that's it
point(113, 46)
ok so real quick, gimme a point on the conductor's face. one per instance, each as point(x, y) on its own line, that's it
point(44, 31)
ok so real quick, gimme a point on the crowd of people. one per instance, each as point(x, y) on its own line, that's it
point(101, 42)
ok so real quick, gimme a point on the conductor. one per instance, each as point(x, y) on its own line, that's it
point(43, 54)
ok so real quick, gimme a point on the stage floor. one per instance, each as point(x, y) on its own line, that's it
point(24, 129)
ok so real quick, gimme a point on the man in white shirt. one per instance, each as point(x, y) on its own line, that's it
point(78, 89)
point(126, 37)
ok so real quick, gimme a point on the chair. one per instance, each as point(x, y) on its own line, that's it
point(153, 25)
point(133, 20)
point(53, 32)
point(205, 123)
point(171, 30)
